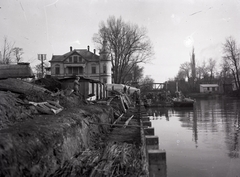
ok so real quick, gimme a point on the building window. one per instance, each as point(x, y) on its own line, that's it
point(213, 89)
point(208, 88)
point(104, 80)
point(75, 59)
point(70, 59)
point(80, 70)
point(75, 70)
point(104, 69)
point(69, 70)
point(80, 59)
point(57, 69)
point(94, 70)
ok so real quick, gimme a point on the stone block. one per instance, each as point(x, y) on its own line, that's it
point(147, 123)
point(149, 131)
point(151, 140)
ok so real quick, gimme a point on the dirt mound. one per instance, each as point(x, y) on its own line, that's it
point(12, 109)
point(42, 145)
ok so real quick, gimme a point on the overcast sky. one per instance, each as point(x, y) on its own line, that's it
point(174, 27)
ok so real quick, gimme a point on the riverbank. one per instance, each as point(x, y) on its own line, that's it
point(79, 140)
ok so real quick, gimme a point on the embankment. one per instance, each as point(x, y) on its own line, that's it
point(41, 145)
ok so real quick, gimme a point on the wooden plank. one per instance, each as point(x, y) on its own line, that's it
point(118, 125)
point(127, 122)
point(117, 119)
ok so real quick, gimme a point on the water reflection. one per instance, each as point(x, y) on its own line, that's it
point(214, 125)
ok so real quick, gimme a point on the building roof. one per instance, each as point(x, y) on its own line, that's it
point(87, 55)
point(209, 85)
point(20, 70)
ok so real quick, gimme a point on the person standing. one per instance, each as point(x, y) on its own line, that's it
point(76, 85)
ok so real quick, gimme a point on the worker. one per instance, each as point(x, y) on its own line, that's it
point(76, 85)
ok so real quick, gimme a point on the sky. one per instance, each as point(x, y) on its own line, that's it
point(174, 27)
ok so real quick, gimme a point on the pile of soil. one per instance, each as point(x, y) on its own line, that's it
point(78, 141)
point(12, 109)
point(33, 144)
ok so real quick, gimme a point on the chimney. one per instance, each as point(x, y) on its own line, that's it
point(70, 48)
point(88, 47)
point(94, 51)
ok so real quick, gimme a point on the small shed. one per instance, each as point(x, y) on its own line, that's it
point(88, 87)
point(209, 88)
point(20, 70)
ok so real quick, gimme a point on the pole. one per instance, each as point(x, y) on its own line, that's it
point(42, 64)
point(42, 57)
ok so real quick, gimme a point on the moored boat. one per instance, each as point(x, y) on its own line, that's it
point(182, 101)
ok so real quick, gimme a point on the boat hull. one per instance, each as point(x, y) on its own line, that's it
point(183, 104)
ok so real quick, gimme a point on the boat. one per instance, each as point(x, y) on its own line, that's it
point(185, 102)
point(151, 103)
point(182, 101)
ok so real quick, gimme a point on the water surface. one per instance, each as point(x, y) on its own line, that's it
point(202, 141)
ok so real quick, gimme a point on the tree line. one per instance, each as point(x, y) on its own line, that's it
point(207, 72)
point(10, 53)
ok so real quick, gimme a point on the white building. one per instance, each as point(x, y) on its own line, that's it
point(209, 88)
point(83, 62)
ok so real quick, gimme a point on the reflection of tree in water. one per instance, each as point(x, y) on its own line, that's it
point(209, 115)
point(188, 117)
point(232, 129)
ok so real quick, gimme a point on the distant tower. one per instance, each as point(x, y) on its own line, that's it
point(105, 64)
point(193, 65)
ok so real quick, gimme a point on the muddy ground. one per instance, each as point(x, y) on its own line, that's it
point(74, 142)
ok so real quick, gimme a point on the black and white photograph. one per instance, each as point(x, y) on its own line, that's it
point(119, 88)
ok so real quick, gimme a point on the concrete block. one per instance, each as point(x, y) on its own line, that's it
point(149, 131)
point(145, 119)
point(147, 123)
point(151, 140)
point(152, 147)
point(157, 163)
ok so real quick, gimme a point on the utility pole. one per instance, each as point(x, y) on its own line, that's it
point(42, 57)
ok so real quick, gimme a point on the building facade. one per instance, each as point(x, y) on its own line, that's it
point(83, 62)
point(209, 88)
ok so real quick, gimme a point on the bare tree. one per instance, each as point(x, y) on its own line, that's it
point(146, 83)
point(38, 69)
point(184, 71)
point(202, 71)
point(135, 74)
point(231, 57)
point(211, 68)
point(7, 51)
point(226, 73)
point(128, 45)
point(17, 52)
